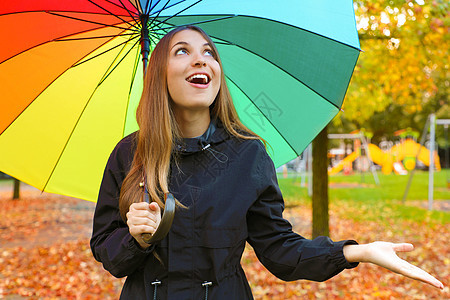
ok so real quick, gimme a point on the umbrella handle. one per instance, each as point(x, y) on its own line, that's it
point(166, 221)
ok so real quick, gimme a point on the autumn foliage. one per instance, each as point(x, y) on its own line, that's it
point(402, 74)
point(45, 254)
point(45, 250)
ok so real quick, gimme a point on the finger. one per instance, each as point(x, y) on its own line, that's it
point(417, 273)
point(403, 247)
point(139, 206)
point(150, 225)
point(154, 207)
point(141, 221)
point(139, 214)
point(137, 231)
point(156, 210)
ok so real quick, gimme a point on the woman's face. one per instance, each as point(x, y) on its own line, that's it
point(193, 73)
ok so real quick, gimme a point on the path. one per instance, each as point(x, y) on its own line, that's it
point(44, 218)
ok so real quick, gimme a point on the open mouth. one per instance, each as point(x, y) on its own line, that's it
point(198, 79)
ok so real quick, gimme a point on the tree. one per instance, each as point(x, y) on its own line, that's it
point(320, 185)
point(16, 189)
point(402, 76)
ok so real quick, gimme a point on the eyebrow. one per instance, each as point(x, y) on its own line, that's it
point(185, 43)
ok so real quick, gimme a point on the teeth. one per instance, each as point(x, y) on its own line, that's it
point(198, 76)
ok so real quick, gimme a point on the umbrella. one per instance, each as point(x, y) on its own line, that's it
point(71, 76)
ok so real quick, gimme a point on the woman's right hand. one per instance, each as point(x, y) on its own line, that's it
point(143, 218)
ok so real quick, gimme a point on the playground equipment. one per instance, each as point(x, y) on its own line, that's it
point(400, 158)
point(360, 140)
point(347, 160)
point(432, 122)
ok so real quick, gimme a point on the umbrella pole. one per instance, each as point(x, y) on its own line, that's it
point(169, 202)
point(145, 40)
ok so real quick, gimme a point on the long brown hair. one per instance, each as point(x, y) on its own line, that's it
point(158, 129)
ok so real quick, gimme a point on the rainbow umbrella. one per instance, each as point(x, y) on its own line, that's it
point(71, 76)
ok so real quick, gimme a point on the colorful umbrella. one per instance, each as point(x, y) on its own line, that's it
point(71, 76)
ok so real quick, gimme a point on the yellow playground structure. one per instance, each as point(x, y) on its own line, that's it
point(400, 158)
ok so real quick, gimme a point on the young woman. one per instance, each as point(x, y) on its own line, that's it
point(192, 144)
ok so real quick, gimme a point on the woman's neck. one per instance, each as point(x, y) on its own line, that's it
point(193, 124)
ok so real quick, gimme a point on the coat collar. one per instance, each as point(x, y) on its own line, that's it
point(215, 134)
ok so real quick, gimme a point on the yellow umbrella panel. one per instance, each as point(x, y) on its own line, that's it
point(63, 138)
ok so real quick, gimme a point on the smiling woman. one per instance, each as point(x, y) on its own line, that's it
point(192, 144)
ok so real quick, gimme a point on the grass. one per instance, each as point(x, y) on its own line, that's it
point(368, 201)
point(358, 197)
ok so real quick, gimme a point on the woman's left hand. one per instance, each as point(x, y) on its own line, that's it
point(384, 254)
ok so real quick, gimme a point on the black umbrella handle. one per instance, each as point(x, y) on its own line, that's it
point(166, 221)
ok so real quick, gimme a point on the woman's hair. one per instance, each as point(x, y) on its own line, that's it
point(158, 129)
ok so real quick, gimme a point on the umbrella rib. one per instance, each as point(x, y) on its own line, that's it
point(135, 67)
point(128, 11)
point(158, 35)
point(351, 75)
point(112, 14)
point(49, 11)
point(133, 78)
point(95, 56)
point(256, 54)
point(49, 84)
point(63, 39)
point(222, 43)
point(59, 39)
point(275, 21)
point(71, 11)
point(174, 15)
point(107, 73)
point(194, 23)
point(158, 11)
point(123, 5)
point(157, 15)
point(152, 7)
point(146, 7)
point(87, 21)
point(267, 119)
point(138, 7)
point(230, 43)
point(312, 32)
point(170, 6)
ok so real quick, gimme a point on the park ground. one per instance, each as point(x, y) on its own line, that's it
point(45, 254)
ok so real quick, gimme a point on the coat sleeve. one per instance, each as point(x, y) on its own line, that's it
point(283, 252)
point(111, 242)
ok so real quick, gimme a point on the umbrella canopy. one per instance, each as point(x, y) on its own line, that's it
point(71, 76)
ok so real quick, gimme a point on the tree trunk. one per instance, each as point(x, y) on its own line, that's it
point(16, 193)
point(320, 185)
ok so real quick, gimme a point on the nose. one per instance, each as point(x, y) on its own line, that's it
point(199, 61)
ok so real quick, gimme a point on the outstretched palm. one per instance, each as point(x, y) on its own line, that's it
point(384, 254)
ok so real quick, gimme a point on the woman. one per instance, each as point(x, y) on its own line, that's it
point(192, 144)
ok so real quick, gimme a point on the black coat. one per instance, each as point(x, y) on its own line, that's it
point(232, 197)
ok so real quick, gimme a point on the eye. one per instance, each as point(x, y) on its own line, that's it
point(209, 52)
point(181, 51)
